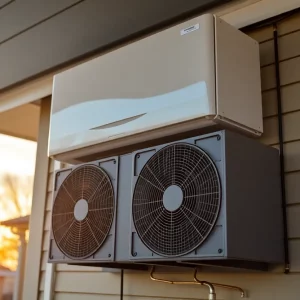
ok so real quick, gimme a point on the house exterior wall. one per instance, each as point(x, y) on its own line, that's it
point(239, 13)
point(48, 34)
point(72, 282)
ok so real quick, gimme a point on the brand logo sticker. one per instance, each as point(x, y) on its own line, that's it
point(189, 29)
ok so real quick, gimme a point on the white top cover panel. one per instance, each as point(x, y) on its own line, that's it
point(165, 79)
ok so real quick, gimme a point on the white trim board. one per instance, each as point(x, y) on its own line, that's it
point(50, 268)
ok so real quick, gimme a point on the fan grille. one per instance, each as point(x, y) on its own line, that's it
point(167, 225)
point(79, 233)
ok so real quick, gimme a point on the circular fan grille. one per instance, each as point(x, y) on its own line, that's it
point(83, 212)
point(176, 200)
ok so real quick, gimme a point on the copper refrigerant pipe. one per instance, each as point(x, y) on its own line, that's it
point(212, 293)
point(225, 286)
point(210, 285)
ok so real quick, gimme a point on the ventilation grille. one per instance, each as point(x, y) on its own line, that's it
point(83, 212)
point(176, 200)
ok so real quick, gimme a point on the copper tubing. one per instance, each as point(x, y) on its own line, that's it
point(210, 285)
point(225, 286)
point(212, 293)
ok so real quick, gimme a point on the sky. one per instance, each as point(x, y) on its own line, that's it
point(17, 156)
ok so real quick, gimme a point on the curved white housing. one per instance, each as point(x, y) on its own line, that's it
point(190, 76)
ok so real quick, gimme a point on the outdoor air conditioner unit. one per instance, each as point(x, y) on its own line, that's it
point(176, 83)
point(207, 200)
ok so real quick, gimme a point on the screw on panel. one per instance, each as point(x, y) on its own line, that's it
point(115, 162)
point(138, 156)
point(218, 137)
point(220, 250)
point(109, 255)
point(134, 254)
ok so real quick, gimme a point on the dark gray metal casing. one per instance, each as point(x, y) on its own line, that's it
point(249, 226)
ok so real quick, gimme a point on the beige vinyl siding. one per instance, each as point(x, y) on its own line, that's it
point(46, 234)
point(46, 227)
point(289, 57)
point(78, 283)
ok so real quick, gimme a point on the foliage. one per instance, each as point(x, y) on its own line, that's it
point(15, 201)
point(8, 248)
point(16, 197)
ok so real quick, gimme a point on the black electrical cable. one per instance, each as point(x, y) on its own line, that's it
point(122, 284)
point(281, 148)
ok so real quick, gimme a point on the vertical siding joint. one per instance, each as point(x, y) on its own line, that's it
point(281, 148)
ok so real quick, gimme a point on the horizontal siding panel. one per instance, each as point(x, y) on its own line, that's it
point(12, 20)
point(292, 156)
point(260, 286)
point(266, 51)
point(269, 103)
point(44, 260)
point(46, 237)
point(268, 79)
point(50, 182)
point(293, 216)
point(49, 200)
point(65, 282)
point(42, 280)
point(51, 166)
point(294, 246)
point(262, 34)
point(291, 125)
point(292, 181)
point(47, 220)
point(289, 25)
point(270, 135)
point(289, 97)
point(68, 268)
point(110, 285)
point(289, 46)
point(73, 296)
point(289, 71)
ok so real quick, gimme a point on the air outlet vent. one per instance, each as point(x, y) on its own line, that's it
point(83, 212)
point(176, 200)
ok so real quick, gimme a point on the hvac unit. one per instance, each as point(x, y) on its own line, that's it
point(208, 200)
point(192, 77)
